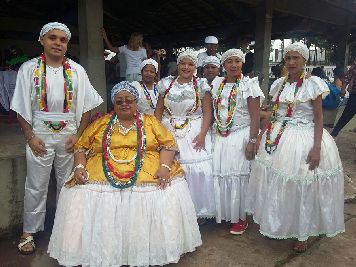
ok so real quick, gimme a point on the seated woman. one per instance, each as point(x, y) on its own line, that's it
point(127, 202)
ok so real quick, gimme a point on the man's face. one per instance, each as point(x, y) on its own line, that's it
point(55, 43)
point(211, 49)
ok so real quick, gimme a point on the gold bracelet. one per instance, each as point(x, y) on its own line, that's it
point(29, 139)
point(166, 166)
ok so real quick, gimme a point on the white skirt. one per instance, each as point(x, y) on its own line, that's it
point(231, 172)
point(288, 200)
point(197, 166)
point(98, 225)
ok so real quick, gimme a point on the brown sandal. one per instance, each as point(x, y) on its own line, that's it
point(300, 246)
point(24, 241)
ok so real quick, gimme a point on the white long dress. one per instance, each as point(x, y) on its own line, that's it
point(231, 169)
point(143, 104)
point(196, 164)
point(284, 196)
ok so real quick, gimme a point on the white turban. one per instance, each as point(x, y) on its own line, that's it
point(149, 61)
point(123, 86)
point(232, 53)
point(211, 60)
point(55, 26)
point(188, 54)
point(297, 47)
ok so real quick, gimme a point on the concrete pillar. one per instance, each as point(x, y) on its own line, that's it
point(90, 22)
point(264, 12)
point(342, 53)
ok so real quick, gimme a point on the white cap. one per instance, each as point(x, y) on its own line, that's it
point(55, 26)
point(188, 54)
point(233, 53)
point(211, 40)
point(149, 61)
point(211, 60)
point(297, 47)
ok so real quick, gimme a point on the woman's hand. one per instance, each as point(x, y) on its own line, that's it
point(199, 142)
point(37, 146)
point(163, 177)
point(81, 176)
point(70, 142)
point(313, 158)
point(251, 150)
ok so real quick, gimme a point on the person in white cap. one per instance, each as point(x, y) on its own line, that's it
point(184, 106)
point(211, 68)
point(236, 102)
point(296, 187)
point(147, 88)
point(211, 44)
point(53, 98)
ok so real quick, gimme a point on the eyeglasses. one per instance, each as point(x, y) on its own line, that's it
point(127, 101)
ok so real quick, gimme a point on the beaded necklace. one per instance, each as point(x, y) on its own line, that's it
point(41, 90)
point(115, 178)
point(270, 145)
point(224, 130)
point(192, 110)
point(147, 94)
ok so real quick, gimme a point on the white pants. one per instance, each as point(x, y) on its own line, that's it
point(38, 176)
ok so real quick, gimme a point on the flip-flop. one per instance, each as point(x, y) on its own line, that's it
point(23, 242)
point(300, 246)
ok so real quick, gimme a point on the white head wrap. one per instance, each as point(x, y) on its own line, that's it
point(149, 61)
point(188, 54)
point(211, 40)
point(297, 47)
point(55, 26)
point(212, 60)
point(123, 86)
point(232, 53)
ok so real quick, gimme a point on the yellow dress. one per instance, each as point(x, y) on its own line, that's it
point(123, 147)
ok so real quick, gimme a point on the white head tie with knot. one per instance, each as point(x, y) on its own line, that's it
point(55, 26)
point(233, 53)
point(211, 60)
point(297, 47)
point(188, 54)
point(149, 61)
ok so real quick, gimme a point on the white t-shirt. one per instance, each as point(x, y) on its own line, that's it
point(203, 55)
point(133, 59)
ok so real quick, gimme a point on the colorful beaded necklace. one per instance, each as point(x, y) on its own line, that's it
point(270, 145)
point(147, 94)
point(115, 178)
point(224, 130)
point(41, 90)
point(193, 109)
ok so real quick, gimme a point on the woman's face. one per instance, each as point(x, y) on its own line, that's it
point(125, 105)
point(294, 62)
point(148, 74)
point(233, 66)
point(186, 68)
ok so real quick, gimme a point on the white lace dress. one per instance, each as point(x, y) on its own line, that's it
point(231, 169)
point(197, 165)
point(286, 199)
point(143, 105)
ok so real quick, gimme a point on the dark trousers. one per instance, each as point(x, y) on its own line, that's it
point(347, 115)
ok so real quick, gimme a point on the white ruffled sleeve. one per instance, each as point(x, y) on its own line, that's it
point(163, 84)
point(203, 86)
point(276, 85)
point(314, 86)
point(251, 88)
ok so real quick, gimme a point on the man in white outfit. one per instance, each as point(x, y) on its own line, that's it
point(53, 98)
point(211, 44)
